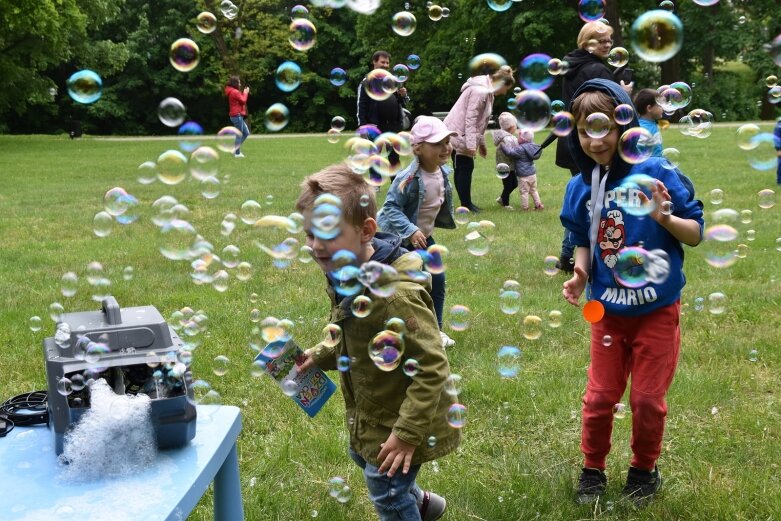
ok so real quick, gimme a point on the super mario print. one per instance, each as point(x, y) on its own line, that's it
point(611, 237)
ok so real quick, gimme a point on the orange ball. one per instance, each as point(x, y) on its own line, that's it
point(593, 311)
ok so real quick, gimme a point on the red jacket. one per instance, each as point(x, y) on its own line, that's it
point(237, 101)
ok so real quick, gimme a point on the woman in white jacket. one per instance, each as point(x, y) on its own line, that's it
point(469, 119)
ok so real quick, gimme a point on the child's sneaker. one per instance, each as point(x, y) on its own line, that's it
point(432, 506)
point(641, 485)
point(591, 485)
point(446, 340)
point(540, 207)
point(238, 155)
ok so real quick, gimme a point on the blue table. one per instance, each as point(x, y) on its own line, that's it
point(30, 488)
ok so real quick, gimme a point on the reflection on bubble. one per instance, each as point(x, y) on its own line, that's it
point(386, 350)
point(624, 113)
point(563, 123)
point(85, 86)
point(456, 414)
point(635, 185)
point(411, 367)
point(618, 57)
point(532, 327)
point(591, 10)
point(277, 116)
point(380, 84)
point(719, 245)
point(656, 35)
point(509, 358)
point(303, 34)
point(403, 23)
point(635, 145)
point(597, 125)
point(533, 72)
point(332, 335)
point(171, 167)
point(337, 77)
point(361, 306)
point(462, 215)
point(184, 55)
point(459, 317)
point(532, 110)
point(206, 22)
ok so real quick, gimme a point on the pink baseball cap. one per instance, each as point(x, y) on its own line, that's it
point(428, 129)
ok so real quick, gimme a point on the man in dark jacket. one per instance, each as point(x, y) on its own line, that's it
point(387, 114)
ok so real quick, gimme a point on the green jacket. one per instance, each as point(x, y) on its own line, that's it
point(378, 402)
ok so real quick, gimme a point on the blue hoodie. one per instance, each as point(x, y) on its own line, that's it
point(617, 228)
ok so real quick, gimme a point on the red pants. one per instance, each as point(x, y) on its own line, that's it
point(646, 347)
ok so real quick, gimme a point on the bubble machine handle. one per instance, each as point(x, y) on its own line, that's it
point(111, 310)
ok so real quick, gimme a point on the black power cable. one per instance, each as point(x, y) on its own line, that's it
point(23, 410)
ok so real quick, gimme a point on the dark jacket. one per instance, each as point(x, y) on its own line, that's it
point(379, 402)
point(386, 114)
point(583, 66)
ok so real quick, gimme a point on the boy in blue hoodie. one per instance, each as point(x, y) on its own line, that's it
point(777, 142)
point(639, 333)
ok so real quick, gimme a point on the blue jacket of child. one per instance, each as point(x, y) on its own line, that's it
point(524, 155)
point(618, 228)
point(656, 138)
point(400, 211)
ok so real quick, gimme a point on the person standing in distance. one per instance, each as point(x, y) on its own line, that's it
point(237, 111)
point(388, 114)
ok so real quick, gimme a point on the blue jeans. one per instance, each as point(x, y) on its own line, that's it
point(396, 498)
point(238, 122)
point(437, 288)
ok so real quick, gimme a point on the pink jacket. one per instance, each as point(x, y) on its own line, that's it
point(469, 116)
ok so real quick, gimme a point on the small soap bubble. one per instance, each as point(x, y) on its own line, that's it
point(289, 387)
point(55, 311)
point(102, 224)
point(221, 365)
point(456, 416)
point(746, 216)
point(411, 367)
point(509, 361)
point(64, 386)
point(335, 484)
point(386, 350)
point(85, 86)
point(396, 325)
point(751, 235)
point(432, 441)
point(619, 411)
point(618, 57)
point(403, 23)
point(413, 62)
point(332, 335)
point(549, 265)
point(607, 340)
point(699, 304)
point(753, 355)
point(171, 112)
point(716, 196)
point(303, 34)
point(499, 5)
point(343, 363)
point(288, 76)
point(344, 495)
point(509, 301)
point(35, 323)
point(717, 303)
point(361, 306)
point(532, 327)
point(337, 77)
point(277, 117)
point(459, 317)
point(462, 215)
point(766, 198)
point(597, 125)
point(656, 35)
point(206, 22)
point(453, 385)
point(184, 55)
point(554, 319)
point(69, 284)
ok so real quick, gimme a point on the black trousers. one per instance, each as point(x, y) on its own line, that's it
point(509, 184)
point(463, 166)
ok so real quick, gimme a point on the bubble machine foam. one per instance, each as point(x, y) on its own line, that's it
point(135, 351)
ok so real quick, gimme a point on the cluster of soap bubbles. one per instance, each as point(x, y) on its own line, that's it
point(675, 96)
point(760, 146)
point(119, 206)
point(229, 9)
point(192, 326)
point(437, 12)
point(697, 123)
point(339, 490)
point(366, 153)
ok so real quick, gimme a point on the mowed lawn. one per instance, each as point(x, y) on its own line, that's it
point(520, 455)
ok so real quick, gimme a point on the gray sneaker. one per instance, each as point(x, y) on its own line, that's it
point(432, 506)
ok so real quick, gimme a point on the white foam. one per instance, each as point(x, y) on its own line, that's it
point(114, 438)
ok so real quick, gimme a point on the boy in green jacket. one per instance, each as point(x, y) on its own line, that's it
point(394, 388)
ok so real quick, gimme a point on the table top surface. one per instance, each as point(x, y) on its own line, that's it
point(32, 486)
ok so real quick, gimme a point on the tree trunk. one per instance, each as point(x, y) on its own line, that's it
point(612, 14)
point(227, 58)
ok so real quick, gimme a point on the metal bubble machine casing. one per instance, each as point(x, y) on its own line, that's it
point(140, 343)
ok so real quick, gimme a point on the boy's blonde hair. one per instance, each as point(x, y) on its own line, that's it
point(593, 31)
point(593, 101)
point(339, 180)
point(507, 121)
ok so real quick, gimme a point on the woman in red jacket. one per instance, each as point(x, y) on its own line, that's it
point(237, 110)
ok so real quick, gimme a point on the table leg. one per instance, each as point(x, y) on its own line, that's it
point(227, 490)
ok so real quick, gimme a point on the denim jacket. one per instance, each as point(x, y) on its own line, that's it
point(400, 210)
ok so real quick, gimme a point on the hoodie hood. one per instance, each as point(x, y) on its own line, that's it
point(577, 59)
point(478, 81)
point(618, 167)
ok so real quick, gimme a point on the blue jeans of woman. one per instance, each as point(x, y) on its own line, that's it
point(396, 498)
point(437, 287)
point(239, 123)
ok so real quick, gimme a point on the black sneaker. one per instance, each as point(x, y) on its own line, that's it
point(641, 485)
point(591, 485)
point(472, 208)
point(565, 264)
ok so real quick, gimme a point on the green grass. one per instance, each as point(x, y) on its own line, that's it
point(520, 454)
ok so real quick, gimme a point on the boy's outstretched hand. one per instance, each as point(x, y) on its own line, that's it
point(660, 197)
point(394, 453)
point(573, 288)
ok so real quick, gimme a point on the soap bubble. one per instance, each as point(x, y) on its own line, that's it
point(549, 265)
point(68, 284)
point(717, 303)
point(672, 158)
point(532, 110)
point(207, 22)
point(332, 335)
point(171, 167)
point(403, 23)
point(556, 67)
point(719, 245)
point(554, 319)
point(401, 72)
point(380, 84)
point(607, 340)
point(532, 327)
point(634, 185)
point(461, 215)
point(435, 12)
point(303, 34)
point(289, 387)
point(147, 173)
point(509, 301)
point(456, 414)
point(64, 386)
point(361, 306)
point(459, 317)
point(591, 10)
point(221, 365)
point(337, 77)
point(502, 170)
point(533, 72)
point(413, 62)
point(597, 125)
point(386, 350)
point(624, 114)
point(656, 35)
point(716, 196)
point(35, 323)
point(619, 411)
point(509, 361)
point(453, 385)
point(171, 112)
point(102, 224)
point(486, 63)
point(288, 76)
point(745, 136)
point(499, 5)
point(563, 123)
point(635, 145)
point(55, 311)
point(766, 198)
point(411, 367)
point(618, 57)
point(184, 55)
point(762, 154)
point(85, 86)
point(276, 117)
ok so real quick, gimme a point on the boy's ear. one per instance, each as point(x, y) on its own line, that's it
point(368, 230)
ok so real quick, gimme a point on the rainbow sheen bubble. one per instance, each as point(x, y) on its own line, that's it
point(85, 86)
point(624, 114)
point(171, 112)
point(102, 224)
point(435, 259)
point(401, 72)
point(276, 117)
point(189, 129)
point(532, 327)
point(206, 22)
point(630, 266)
point(499, 5)
point(337, 77)
point(361, 306)
point(563, 123)
point(635, 185)
point(557, 67)
point(766, 198)
point(591, 10)
point(456, 414)
point(533, 72)
point(635, 145)
point(288, 76)
point(411, 367)
point(763, 154)
point(724, 216)
point(550, 265)
point(386, 350)
point(607, 340)
point(597, 125)
point(532, 110)
point(462, 215)
point(445, 12)
point(667, 5)
point(619, 411)
point(332, 335)
point(719, 245)
point(672, 158)
point(510, 301)
point(403, 23)
point(556, 106)
point(303, 34)
point(147, 173)
point(717, 303)
point(745, 136)
point(338, 123)
point(64, 386)
point(458, 317)
point(697, 123)
point(554, 319)
point(486, 63)
point(509, 361)
point(618, 57)
point(656, 35)
point(476, 238)
point(413, 62)
point(685, 94)
point(343, 363)
point(184, 55)
point(226, 139)
point(171, 167)
point(298, 11)
point(380, 84)
point(435, 12)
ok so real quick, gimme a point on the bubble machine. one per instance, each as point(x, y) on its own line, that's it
point(135, 351)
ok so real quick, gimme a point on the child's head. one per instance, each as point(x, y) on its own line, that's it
point(508, 123)
point(354, 197)
point(646, 105)
point(601, 149)
point(525, 136)
point(431, 142)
